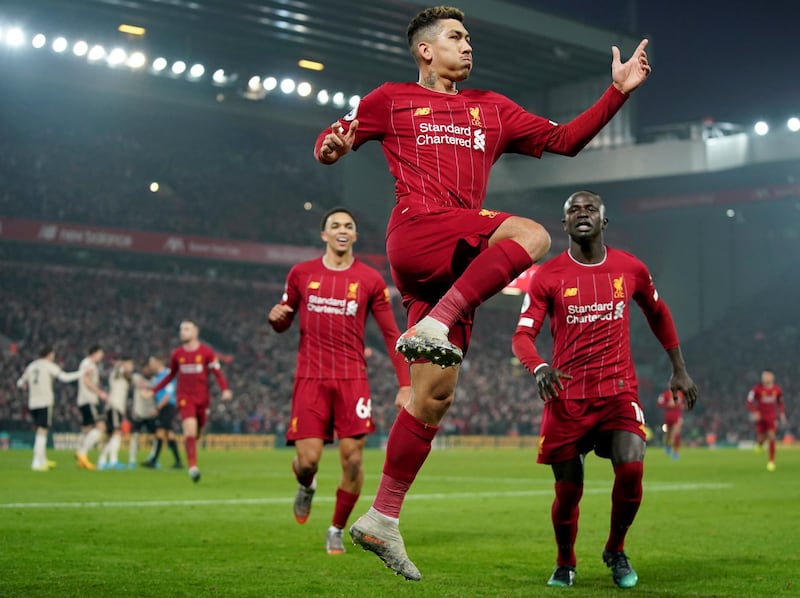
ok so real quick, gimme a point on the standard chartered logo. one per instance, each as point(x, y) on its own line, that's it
point(332, 306)
point(436, 134)
point(586, 314)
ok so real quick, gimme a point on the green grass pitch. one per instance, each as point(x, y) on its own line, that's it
point(477, 523)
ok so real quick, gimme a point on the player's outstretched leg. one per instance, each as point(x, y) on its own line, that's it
point(621, 569)
point(427, 339)
point(381, 534)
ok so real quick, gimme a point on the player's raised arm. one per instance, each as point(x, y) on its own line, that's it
point(334, 142)
point(570, 138)
point(629, 75)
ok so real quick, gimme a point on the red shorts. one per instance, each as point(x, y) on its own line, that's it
point(199, 411)
point(574, 427)
point(428, 251)
point(671, 420)
point(320, 407)
point(765, 426)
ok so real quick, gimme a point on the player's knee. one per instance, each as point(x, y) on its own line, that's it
point(351, 465)
point(307, 464)
point(628, 478)
point(535, 239)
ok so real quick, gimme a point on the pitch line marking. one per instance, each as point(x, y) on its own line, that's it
point(329, 499)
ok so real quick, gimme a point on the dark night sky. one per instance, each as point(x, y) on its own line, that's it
point(733, 61)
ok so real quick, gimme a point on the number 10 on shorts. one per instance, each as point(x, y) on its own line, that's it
point(364, 408)
point(637, 412)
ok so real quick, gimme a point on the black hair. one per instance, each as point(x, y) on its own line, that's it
point(336, 210)
point(427, 19)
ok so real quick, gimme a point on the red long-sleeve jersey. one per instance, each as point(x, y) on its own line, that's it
point(440, 147)
point(768, 402)
point(333, 307)
point(588, 307)
point(192, 368)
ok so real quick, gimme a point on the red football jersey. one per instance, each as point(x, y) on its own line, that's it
point(192, 369)
point(333, 307)
point(766, 401)
point(440, 147)
point(588, 307)
point(673, 408)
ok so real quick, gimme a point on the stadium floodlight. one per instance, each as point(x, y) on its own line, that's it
point(59, 45)
point(761, 128)
point(117, 57)
point(96, 53)
point(197, 71)
point(178, 67)
point(793, 124)
point(15, 37)
point(219, 77)
point(137, 60)
point(730, 213)
point(287, 86)
point(254, 83)
point(354, 100)
point(270, 83)
point(80, 48)
point(338, 99)
point(159, 64)
point(38, 41)
point(323, 97)
point(307, 206)
point(311, 65)
point(304, 89)
point(154, 186)
point(132, 29)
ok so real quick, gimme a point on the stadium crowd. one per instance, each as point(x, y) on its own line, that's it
point(218, 177)
point(70, 306)
point(137, 313)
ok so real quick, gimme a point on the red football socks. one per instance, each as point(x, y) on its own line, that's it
point(625, 500)
point(345, 502)
point(564, 514)
point(771, 450)
point(486, 276)
point(407, 448)
point(191, 450)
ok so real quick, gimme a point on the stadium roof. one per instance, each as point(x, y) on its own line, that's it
point(519, 50)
